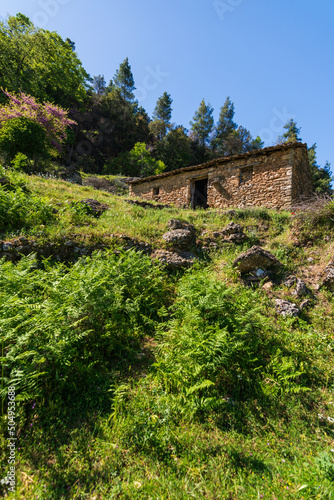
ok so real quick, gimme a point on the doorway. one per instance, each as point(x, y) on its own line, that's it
point(199, 195)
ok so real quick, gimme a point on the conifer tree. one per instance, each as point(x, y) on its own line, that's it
point(203, 124)
point(163, 108)
point(124, 80)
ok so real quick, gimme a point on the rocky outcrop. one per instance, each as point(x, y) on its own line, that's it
point(286, 308)
point(328, 277)
point(146, 204)
point(181, 235)
point(172, 260)
point(256, 258)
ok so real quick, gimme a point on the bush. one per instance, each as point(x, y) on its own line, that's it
point(21, 135)
point(19, 209)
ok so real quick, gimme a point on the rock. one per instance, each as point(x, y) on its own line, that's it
point(180, 238)
point(305, 303)
point(256, 257)
point(301, 288)
point(237, 238)
point(286, 308)
point(6, 246)
point(173, 260)
point(232, 228)
point(260, 273)
point(269, 285)
point(177, 224)
point(289, 281)
point(146, 204)
point(95, 207)
point(328, 279)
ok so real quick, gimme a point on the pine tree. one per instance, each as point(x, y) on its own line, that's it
point(123, 80)
point(99, 85)
point(292, 132)
point(321, 176)
point(203, 124)
point(163, 108)
point(225, 124)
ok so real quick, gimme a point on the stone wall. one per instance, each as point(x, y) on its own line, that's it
point(272, 177)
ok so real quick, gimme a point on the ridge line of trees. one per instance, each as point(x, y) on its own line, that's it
point(113, 133)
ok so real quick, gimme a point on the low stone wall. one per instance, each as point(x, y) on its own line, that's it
point(273, 178)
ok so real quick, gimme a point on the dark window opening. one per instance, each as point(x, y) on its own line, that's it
point(246, 175)
point(156, 191)
point(199, 197)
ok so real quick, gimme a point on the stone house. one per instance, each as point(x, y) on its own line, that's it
point(274, 177)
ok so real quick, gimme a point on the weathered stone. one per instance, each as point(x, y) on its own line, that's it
point(237, 237)
point(172, 260)
point(145, 204)
point(179, 238)
point(269, 285)
point(289, 281)
point(7, 246)
point(232, 228)
point(177, 224)
point(301, 288)
point(306, 303)
point(328, 280)
point(286, 308)
point(256, 257)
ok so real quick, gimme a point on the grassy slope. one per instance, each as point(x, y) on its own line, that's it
point(143, 431)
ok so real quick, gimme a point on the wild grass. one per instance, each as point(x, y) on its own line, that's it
point(135, 384)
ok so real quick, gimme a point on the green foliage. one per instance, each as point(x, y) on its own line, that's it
point(19, 209)
point(322, 177)
point(219, 345)
point(163, 108)
point(124, 81)
point(60, 326)
point(137, 162)
point(40, 63)
point(21, 135)
point(21, 162)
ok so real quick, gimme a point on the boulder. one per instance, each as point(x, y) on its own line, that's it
point(237, 238)
point(301, 288)
point(328, 279)
point(180, 238)
point(286, 308)
point(256, 257)
point(232, 228)
point(172, 260)
point(173, 224)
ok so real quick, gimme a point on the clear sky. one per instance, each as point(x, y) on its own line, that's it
point(274, 58)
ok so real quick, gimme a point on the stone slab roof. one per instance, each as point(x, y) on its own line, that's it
point(224, 159)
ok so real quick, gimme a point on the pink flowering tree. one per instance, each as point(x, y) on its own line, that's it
point(22, 109)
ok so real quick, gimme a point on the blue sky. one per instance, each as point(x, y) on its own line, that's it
point(274, 58)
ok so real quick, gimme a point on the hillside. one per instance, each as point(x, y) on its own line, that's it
point(164, 353)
